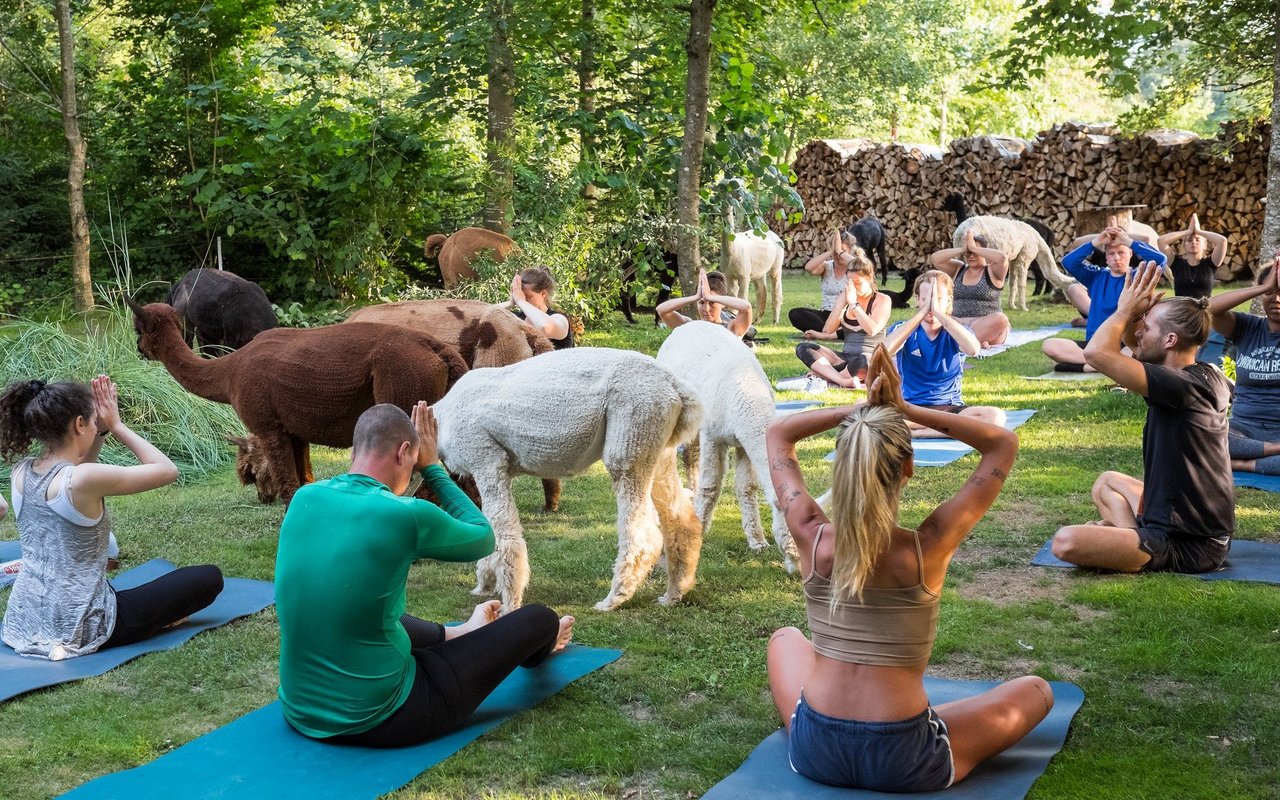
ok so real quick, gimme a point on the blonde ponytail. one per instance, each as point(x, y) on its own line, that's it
point(871, 450)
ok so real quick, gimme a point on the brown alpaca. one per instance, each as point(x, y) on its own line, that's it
point(296, 387)
point(486, 335)
point(457, 251)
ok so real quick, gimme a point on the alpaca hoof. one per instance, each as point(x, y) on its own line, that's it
point(760, 545)
point(604, 605)
point(669, 599)
point(481, 591)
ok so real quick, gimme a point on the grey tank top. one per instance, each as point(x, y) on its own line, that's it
point(978, 300)
point(61, 605)
point(832, 287)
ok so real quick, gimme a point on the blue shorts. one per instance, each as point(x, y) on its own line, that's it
point(910, 755)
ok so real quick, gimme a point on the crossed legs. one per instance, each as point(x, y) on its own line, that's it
point(1112, 542)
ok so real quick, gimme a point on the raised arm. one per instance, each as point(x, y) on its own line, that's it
point(818, 264)
point(949, 260)
point(802, 512)
point(95, 481)
point(969, 344)
point(894, 340)
point(555, 326)
point(1103, 351)
point(742, 322)
point(1220, 306)
point(1165, 243)
point(1217, 242)
point(881, 307)
point(669, 310)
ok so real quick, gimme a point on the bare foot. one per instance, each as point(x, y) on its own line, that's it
point(566, 633)
point(483, 614)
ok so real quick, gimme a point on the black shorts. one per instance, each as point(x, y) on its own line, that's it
point(950, 408)
point(1171, 552)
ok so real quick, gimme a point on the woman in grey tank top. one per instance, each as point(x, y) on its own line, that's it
point(853, 700)
point(979, 273)
point(831, 265)
point(62, 605)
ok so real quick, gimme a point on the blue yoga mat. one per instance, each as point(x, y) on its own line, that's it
point(240, 597)
point(1254, 480)
point(259, 755)
point(1248, 561)
point(940, 452)
point(8, 552)
point(767, 772)
point(793, 406)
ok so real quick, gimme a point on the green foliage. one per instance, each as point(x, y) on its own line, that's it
point(186, 428)
point(317, 316)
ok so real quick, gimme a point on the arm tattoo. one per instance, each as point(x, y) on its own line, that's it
point(999, 473)
point(783, 462)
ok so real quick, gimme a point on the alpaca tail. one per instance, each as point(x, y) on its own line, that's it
point(453, 362)
point(538, 343)
point(1049, 265)
point(434, 242)
point(690, 419)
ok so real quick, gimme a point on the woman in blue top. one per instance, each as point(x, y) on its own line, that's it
point(1254, 441)
point(928, 347)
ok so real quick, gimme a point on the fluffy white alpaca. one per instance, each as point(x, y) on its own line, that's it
point(755, 259)
point(1021, 245)
point(737, 405)
point(557, 414)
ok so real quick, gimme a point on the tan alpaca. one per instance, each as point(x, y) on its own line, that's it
point(485, 335)
point(455, 253)
point(555, 416)
point(295, 387)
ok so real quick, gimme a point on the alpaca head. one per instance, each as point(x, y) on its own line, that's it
point(954, 203)
point(252, 468)
point(149, 322)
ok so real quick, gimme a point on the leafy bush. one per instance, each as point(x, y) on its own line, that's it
point(189, 429)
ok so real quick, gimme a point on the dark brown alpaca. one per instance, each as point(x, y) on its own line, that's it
point(486, 335)
point(297, 387)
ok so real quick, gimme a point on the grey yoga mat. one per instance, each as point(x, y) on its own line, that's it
point(1248, 561)
point(1008, 776)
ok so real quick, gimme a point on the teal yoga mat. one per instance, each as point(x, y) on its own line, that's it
point(940, 452)
point(767, 773)
point(9, 551)
point(259, 755)
point(1258, 562)
point(794, 406)
point(240, 597)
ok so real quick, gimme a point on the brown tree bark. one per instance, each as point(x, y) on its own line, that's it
point(689, 182)
point(500, 132)
point(587, 96)
point(1270, 241)
point(81, 279)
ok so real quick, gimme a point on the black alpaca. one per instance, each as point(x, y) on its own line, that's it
point(901, 298)
point(954, 203)
point(871, 237)
point(664, 273)
point(220, 309)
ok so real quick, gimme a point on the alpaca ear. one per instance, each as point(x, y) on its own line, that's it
point(239, 441)
point(135, 306)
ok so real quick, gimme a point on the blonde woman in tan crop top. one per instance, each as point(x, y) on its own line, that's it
point(855, 694)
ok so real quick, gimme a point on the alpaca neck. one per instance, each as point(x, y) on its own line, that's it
point(962, 212)
point(203, 377)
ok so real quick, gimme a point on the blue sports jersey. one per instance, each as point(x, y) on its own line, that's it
point(930, 368)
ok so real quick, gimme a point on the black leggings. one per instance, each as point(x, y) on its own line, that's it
point(142, 611)
point(453, 677)
point(807, 319)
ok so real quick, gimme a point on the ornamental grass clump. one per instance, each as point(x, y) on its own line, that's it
point(187, 428)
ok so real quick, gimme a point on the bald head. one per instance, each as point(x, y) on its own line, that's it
point(381, 430)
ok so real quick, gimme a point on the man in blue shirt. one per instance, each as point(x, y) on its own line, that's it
point(1103, 285)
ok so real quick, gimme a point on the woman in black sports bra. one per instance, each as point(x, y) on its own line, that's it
point(859, 318)
point(853, 700)
point(1202, 253)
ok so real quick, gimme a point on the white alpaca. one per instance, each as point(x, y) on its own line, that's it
point(1021, 245)
point(753, 259)
point(737, 404)
point(555, 415)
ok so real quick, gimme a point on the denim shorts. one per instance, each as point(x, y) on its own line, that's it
point(910, 755)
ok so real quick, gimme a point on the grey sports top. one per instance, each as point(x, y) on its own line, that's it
point(892, 627)
point(978, 300)
point(61, 605)
point(832, 287)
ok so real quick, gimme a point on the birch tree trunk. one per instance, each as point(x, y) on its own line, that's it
point(500, 133)
point(689, 182)
point(81, 279)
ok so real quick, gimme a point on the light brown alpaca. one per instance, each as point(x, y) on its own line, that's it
point(295, 387)
point(485, 335)
point(457, 251)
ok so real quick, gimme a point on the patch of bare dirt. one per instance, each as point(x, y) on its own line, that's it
point(963, 666)
point(1007, 586)
point(1020, 515)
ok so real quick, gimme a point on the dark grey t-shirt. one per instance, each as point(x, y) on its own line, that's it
point(1257, 369)
point(1186, 483)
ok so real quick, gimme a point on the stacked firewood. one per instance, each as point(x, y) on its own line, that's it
point(1055, 178)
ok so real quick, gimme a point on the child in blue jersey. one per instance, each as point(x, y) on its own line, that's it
point(929, 348)
point(1103, 285)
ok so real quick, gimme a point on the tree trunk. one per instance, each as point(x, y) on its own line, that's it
point(1270, 241)
point(942, 120)
point(689, 184)
point(500, 134)
point(587, 98)
point(81, 279)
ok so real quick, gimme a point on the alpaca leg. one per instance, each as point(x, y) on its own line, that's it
point(777, 294)
point(748, 490)
point(681, 531)
point(710, 478)
point(761, 298)
point(551, 494)
point(506, 570)
point(302, 461)
point(639, 541)
point(1020, 283)
point(277, 451)
point(692, 457)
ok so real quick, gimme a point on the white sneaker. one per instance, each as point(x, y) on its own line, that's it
point(799, 384)
point(815, 385)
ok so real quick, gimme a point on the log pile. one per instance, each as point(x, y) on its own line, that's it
point(1062, 172)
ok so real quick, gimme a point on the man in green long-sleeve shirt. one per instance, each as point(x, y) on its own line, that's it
point(354, 668)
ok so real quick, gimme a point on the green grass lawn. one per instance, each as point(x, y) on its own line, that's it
point(1182, 677)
